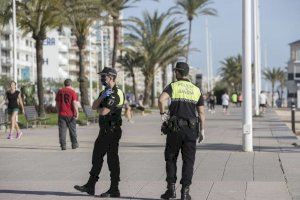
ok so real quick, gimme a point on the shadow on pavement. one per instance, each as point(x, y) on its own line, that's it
point(41, 193)
point(135, 198)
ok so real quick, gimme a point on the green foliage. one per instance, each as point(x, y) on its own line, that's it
point(191, 9)
point(231, 73)
point(194, 8)
point(155, 37)
point(4, 81)
point(273, 75)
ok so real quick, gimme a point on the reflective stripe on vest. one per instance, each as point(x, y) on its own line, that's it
point(121, 96)
point(185, 91)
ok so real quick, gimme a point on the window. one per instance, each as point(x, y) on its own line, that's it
point(298, 54)
point(297, 75)
point(27, 57)
point(18, 56)
point(27, 43)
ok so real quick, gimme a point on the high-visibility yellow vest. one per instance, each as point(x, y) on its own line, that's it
point(185, 91)
point(122, 98)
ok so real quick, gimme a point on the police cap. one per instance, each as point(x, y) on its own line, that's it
point(108, 71)
point(182, 66)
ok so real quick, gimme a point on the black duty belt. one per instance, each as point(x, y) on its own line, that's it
point(182, 122)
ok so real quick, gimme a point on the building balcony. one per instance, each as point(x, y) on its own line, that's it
point(63, 47)
point(6, 61)
point(6, 45)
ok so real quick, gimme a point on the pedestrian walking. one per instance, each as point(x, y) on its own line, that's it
point(109, 105)
point(183, 129)
point(67, 108)
point(240, 100)
point(212, 102)
point(128, 109)
point(234, 98)
point(263, 100)
point(14, 101)
point(225, 102)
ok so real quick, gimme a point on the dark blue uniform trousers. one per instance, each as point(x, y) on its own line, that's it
point(184, 140)
point(107, 143)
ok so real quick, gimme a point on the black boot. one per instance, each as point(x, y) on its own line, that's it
point(170, 193)
point(185, 193)
point(113, 191)
point(89, 187)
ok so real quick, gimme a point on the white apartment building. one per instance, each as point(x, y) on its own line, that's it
point(26, 61)
point(293, 70)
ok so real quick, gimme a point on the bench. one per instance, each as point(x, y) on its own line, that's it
point(90, 114)
point(3, 119)
point(31, 116)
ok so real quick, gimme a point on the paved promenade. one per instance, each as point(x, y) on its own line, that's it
point(35, 168)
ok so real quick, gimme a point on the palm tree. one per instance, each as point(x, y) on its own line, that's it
point(282, 81)
point(36, 17)
point(151, 36)
point(114, 10)
point(131, 61)
point(191, 9)
point(79, 16)
point(273, 75)
point(231, 72)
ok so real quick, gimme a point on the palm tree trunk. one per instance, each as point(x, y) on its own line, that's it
point(134, 87)
point(173, 74)
point(83, 82)
point(273, 86)
point(189, 41)
point(39, 66)
point(164, 77)
point(153, 95)
point(148, 84)
point(116, 40)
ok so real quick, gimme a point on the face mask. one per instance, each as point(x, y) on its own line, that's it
point(103, 81)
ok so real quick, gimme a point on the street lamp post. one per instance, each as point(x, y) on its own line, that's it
point(102, 47)
point(257, 57)
point(15, 72)
point(247, 88)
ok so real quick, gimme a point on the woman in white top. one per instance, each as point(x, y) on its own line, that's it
point(225, 102)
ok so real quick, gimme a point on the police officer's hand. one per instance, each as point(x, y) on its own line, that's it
point(201, 135)
point(164, 117)
point(106, 93)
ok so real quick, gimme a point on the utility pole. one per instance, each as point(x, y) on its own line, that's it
point(90, 68)
point(256, 57)
point(15, 70)
point(102, 49)
point(207, 56)
point(211, 63)
point(247, 82)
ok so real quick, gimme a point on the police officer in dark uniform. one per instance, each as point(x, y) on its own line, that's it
point(184, 124)
point(109, 104)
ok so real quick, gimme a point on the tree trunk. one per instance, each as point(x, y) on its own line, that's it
point(148, 84)
point(153, 93)
point(189, 41)
point(134, 87)
point(164, 77)
point(39, 69)
point(82, 79)
point(273, 86)
point(173, 73)
point(116, 40)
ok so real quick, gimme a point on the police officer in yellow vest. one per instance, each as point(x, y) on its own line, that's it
point(184, 126)
point(109, 104)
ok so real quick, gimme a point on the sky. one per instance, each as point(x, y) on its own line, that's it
point(280, 25)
